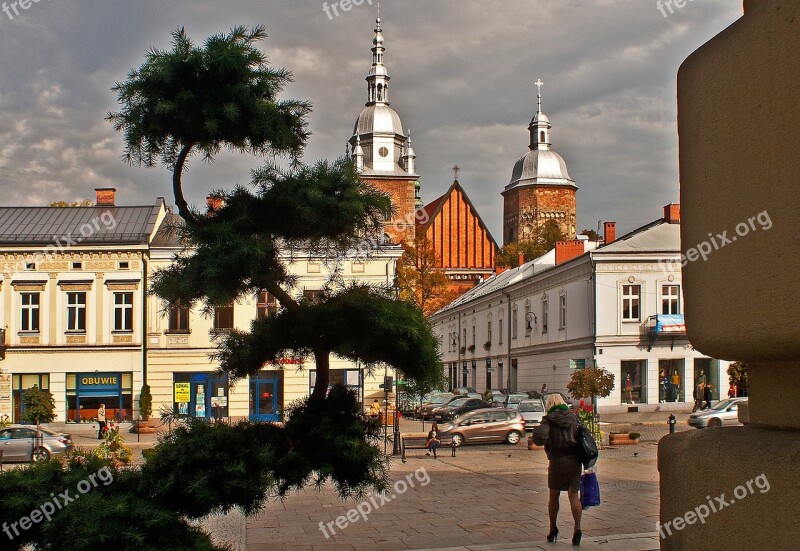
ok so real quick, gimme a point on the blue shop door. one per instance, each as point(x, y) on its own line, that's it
point(264, 400)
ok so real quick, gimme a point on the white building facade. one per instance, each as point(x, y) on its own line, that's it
point(618, 306)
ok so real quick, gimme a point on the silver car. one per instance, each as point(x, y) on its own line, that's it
point(724, 412)
point(19, 443)
point(532, 412)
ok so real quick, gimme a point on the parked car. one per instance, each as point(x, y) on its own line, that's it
point(513, 400)
point(534, 394)
point(474, 395)
point(532, 412)
point(464, 390)
point(495, 397)
point(19, 443)
point(725, 412)
point(426, 409)
point(486, 425)
point(458, 407)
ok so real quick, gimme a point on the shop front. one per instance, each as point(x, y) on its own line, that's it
point(86, 391)
point(200, 395)
point(20, 384)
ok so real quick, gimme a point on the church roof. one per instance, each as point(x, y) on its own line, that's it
point(434, 208)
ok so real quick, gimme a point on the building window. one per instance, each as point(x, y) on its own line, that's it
point(489, 332)
point(178, 319)
point(223, 317)
point(630, 302)
point(545, 313)
point(313, 295)
point(267, 305)
point(473, 334)
point(124, 265)
point(562, 311)
point(77, 265)
point(671, 380)
point(528, 327)
point(30, 266)
point(29, 320)
point(500, 329)
point(670, 299)
point(514, 322)
point(123, 311)
point(76, 312)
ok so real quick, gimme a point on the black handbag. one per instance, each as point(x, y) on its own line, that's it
point(587, 447)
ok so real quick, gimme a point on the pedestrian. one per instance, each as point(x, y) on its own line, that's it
point(101, 421)
point(699, 394)
point(375, 409)
point(433, 440)
point(558, 433)
point(732, 391)
point(707, 396)
point(544, 389)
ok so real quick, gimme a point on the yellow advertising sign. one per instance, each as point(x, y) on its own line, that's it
point(182, 392)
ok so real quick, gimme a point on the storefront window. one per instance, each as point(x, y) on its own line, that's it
point(634, 377)
point(347, 377)
point(671, 381)
point(200, 395)
point(706, 372)
point(21, 383)
point(86, 391)
point(266, 396)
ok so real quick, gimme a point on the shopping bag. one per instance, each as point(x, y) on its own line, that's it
point(590, 490)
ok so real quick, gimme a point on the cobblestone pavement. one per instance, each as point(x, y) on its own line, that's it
point(493, 496)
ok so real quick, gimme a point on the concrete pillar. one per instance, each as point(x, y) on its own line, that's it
point(739, 125)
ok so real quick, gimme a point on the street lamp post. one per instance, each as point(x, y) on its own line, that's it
point(396, 445)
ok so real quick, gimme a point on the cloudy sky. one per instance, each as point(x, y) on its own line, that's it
point(462, 75)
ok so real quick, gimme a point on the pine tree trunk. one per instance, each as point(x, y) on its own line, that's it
point(323, 362)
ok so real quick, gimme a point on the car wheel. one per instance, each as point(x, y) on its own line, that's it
point(458, 440)
point(41, 454)
point(513, 437)
point(715, 422)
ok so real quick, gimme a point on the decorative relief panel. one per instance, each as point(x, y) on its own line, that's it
point(183, 339)
point(100, 265)
point(75, 286)
point(123, 339)
point(53, 266)
point(122, 286)
point(29, 340)
point(29, 286)
point(76, 339)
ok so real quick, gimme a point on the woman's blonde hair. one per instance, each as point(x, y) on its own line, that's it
point(553, 400)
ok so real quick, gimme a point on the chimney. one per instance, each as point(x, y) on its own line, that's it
point(104, 196)
point(567, 250)
point(500, 269)
point(609, 232)
point(672, 213)
point(214, 202)
point(521, 259)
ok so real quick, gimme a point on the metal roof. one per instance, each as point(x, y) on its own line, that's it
point(86, 225)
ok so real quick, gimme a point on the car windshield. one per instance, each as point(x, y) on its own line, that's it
point(531, 406)
point(458, 403)
point(724, 404)
point(516, 399)
point(441, 399)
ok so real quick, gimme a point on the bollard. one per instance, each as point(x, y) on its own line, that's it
point(671, 424)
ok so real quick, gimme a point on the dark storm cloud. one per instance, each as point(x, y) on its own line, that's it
point(462, 71)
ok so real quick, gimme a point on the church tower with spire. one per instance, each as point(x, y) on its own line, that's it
point(540, 189)
point(382, 151)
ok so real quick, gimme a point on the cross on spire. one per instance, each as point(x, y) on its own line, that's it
point(456, 169)
point(539, 85)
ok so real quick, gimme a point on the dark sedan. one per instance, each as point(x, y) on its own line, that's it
point(458, 407)
point(426, 409)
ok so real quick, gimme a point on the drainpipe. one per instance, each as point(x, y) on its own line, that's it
point(458, 344)
point(144, 318)
point(508, 339)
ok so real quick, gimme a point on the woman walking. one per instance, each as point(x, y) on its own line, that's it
point(558, 432)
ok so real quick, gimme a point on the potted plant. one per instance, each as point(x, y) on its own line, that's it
point(145, 425)
point(623, 438)
point(487, 345)
point(471, 348)
point(463, 349)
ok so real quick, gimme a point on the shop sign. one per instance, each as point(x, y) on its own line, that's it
point(99, 381)
point(219, 402)
point(5, 395)
point(182, 392)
